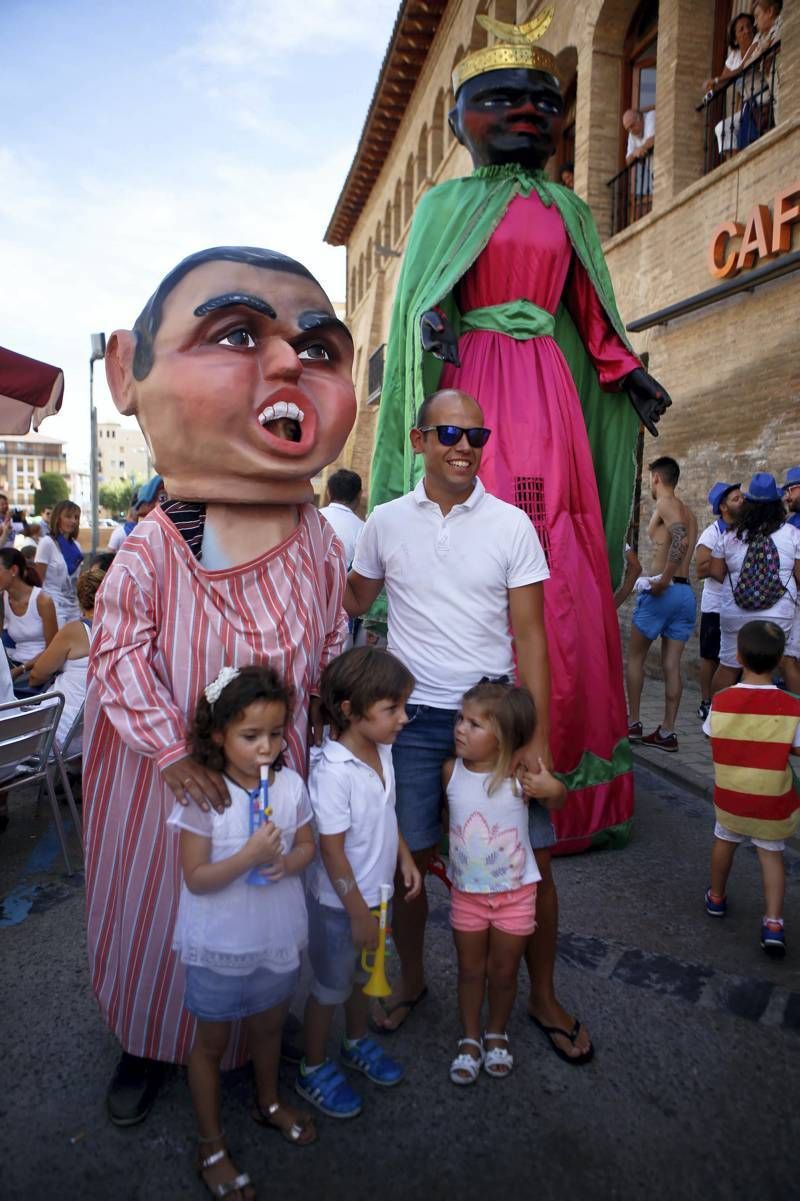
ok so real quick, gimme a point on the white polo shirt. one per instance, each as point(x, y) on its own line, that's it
point(447, 582)
point(349, 798)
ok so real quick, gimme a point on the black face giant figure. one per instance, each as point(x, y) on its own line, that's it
point(509, 116)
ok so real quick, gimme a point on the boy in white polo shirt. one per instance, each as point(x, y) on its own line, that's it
point(363, 693)
point(464, 574)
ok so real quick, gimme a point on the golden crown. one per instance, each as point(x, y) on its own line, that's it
point(515, 48)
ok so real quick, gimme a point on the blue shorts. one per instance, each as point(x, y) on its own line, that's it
point(213, 997)
point(420, 752)
point(335, 961)
point(670, 615)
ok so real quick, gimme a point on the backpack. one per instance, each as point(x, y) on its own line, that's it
point(759, 585)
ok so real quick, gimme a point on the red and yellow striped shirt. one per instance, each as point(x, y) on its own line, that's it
point(753, 730)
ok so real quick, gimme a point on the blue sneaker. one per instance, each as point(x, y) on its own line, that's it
point(716, 908)
point(327, 1088)
point(773, 939)
point(367, 1057)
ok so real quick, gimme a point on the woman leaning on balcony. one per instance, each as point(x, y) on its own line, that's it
point(740, 38)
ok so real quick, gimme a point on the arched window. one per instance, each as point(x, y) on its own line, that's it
point(352, 299)
point(641, 46)
point(437, 132)
point(378, 242)
point(397, 213)
point(422, 157)
point(360, 277)
point(369, 260)
point(387, 223)
point(408, 190)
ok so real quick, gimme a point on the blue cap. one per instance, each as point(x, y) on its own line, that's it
point(148, 492)
point(763, 488)
point(792, 477)
point(718, 493)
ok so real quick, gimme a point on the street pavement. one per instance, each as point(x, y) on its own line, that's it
point(692, 1096)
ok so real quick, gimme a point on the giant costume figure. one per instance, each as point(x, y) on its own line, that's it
point(503, 278)
point(240, 376)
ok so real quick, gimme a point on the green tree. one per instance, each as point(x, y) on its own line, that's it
point(52, 488)
point(116, 496)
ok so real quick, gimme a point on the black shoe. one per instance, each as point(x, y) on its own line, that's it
point(133, 1089)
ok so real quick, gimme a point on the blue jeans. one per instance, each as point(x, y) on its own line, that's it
point(420, 751)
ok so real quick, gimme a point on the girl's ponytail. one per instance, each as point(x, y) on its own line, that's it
point(10, 557)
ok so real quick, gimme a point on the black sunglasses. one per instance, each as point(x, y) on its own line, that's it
point(450, 435)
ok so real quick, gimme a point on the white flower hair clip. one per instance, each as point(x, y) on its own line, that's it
point(215, 689)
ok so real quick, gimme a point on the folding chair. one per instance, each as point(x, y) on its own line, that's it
point(64, 753)
point(27, 741)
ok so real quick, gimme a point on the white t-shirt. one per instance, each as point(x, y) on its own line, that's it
point(636, 141)
point(347, 527)
point(57, 583)
point(447, 583)
point(733, 551)
point(117, 538)
point(711, 600)
point(349, 798)
point(244, 926)
point(490, 846)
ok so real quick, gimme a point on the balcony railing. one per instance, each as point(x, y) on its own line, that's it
point(741, 109)
point(632, 195)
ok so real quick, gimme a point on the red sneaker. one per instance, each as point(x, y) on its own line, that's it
point(664, 742)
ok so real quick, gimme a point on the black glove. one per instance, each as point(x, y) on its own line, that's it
point(648, 397)
point(437, 336)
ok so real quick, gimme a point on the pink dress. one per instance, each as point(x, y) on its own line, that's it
point(163, 628)
point(539, 459)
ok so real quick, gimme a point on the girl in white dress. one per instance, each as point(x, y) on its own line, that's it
point(242, 917)
point(492, 866)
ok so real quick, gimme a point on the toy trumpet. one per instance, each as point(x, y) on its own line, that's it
point(260, 812)
point(378, 985)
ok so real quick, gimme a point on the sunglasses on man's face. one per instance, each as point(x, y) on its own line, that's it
point(451, 435)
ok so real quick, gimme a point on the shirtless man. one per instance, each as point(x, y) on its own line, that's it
point(666, 608)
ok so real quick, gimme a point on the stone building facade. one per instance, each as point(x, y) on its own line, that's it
point(731, 359)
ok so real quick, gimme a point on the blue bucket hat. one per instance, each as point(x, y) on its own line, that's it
point(763, 488)
point(149, 491)
point(718, 493)
point(792, 478)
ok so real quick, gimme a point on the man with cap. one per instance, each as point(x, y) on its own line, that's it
point(791, 496)
point(726, 502)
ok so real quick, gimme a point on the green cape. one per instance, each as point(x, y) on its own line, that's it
point(452, 225)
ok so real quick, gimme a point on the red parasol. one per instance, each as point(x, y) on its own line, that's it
point(29, 392)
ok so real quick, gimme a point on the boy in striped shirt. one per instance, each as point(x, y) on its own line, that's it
point(754, 727)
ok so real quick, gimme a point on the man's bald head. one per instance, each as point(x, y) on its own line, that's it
point(449, 406)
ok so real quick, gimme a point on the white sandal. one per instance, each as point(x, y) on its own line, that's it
point(464, 1062)
point(497, 1061)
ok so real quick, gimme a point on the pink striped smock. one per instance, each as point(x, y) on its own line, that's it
point(163, 628)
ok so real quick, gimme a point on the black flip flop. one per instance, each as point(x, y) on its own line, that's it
point(389, 1010)
point(576, 1060)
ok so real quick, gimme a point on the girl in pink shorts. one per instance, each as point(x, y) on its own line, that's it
point(492, 866)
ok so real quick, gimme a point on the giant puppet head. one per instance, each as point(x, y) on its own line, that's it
point(508, 106)
point(239, 374)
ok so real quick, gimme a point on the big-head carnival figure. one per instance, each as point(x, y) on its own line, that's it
point(239, 374)
point(504, 293)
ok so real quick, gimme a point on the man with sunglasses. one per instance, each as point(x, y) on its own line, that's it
point(463, 573)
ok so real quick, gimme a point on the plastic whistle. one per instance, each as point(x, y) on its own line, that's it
point(260, 812)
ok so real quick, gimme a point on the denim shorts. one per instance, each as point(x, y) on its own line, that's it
point(335, 962)
point(213, 997)
point(670, 615)
point(420, 751)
